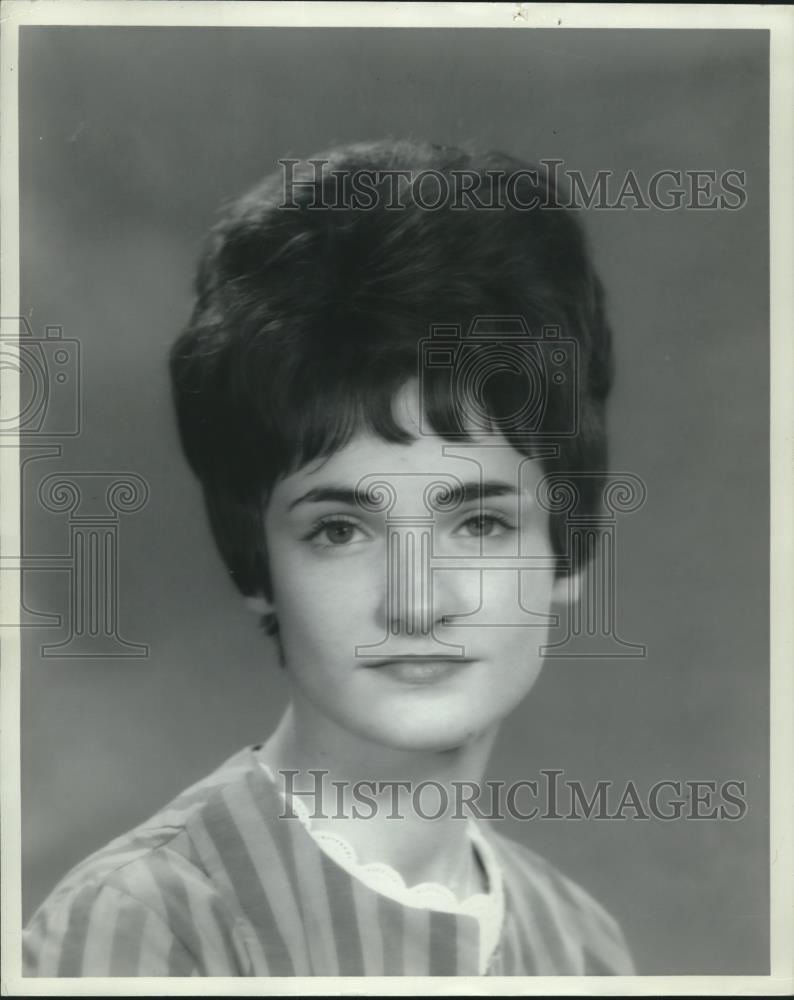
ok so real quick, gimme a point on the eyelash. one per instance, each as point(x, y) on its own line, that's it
point(493, 516)
point(328, 522)
point(337, 519)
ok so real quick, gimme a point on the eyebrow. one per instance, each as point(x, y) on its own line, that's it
point(464, 493)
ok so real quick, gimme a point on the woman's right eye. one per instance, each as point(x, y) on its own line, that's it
point(336, 533)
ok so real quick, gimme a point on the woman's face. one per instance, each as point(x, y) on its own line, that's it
point(407, 623)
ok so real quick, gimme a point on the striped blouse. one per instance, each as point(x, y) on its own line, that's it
point(216, 884)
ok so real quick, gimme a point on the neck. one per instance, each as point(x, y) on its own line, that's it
point(343, 772)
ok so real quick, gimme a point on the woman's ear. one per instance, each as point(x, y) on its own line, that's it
point(265, 610)
point(259, 604)
point(567, 588)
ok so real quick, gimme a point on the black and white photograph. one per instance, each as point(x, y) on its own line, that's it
point(396, 498)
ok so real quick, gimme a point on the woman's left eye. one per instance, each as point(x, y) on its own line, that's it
point(484, 526)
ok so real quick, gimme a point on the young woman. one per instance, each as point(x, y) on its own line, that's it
point(372, 392)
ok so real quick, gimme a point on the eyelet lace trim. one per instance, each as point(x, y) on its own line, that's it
point(486, 907)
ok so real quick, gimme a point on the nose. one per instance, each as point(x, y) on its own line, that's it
point(409, 586)
point(412, 601)
point(415, 597)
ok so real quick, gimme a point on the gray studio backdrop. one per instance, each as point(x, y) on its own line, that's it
point(130, 139)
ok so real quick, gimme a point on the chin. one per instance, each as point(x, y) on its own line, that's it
point(433, 737)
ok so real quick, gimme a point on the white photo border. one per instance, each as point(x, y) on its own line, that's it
point(779, 21)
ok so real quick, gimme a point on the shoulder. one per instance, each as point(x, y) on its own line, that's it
point(145, 904)
point(537, 889)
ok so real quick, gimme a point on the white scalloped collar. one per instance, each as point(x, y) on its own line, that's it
point(486, 907)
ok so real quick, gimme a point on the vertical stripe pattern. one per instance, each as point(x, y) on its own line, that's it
point(217, 883)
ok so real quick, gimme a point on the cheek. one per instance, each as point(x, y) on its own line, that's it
point(537, 586)
point(322, 597)
point(532, 589)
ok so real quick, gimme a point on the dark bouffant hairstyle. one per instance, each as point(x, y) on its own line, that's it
point(308, 320)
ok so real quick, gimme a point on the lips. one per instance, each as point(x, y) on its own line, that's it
point(420, 669)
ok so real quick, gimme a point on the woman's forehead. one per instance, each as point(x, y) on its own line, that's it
point(414, 465)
